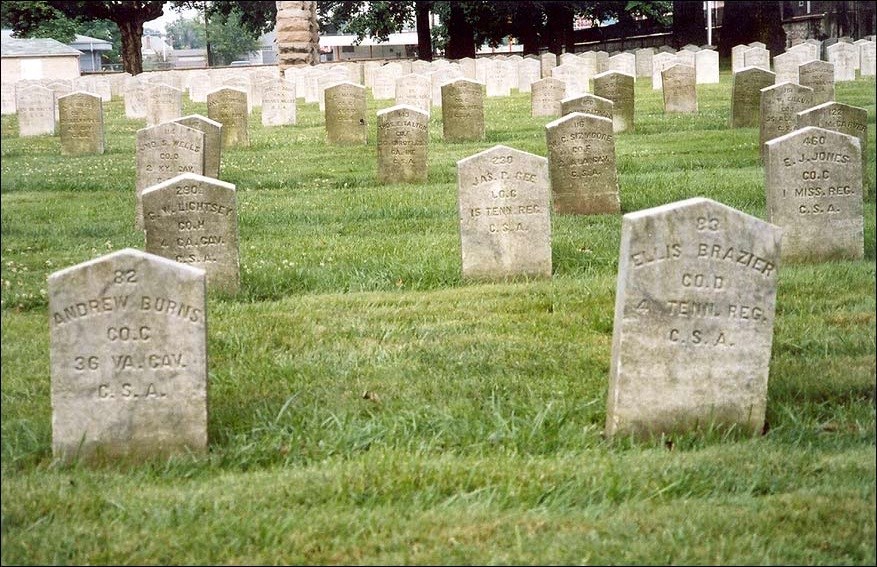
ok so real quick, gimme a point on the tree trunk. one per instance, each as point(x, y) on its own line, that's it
point(461, 40)
point(132, 59)
point(747, 21)
point(527, 25)
point(424, 34)
point(559, 27)
point(298, 34)
point(689, 24)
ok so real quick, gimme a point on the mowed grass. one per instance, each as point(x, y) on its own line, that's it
point(368, 406)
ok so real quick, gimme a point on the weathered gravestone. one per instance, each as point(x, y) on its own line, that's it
point(463, 110)
point(228, 106)
point(601, 58)
point(164, 103)
point(757, 56)
point(624, 63)
point(780, 105)
point(414, 90)
point(785, 66)
point(547, 61)
point(660, 62)
point(694, 315)
point(199, 86)
point(706, 63)
point(587, 104)
point(81, 124)
point(308, 88)
point(134, 93)
point(384, 81)
point(581, 164)
point(680, 89)
point(345, 114)
point(686, 57)
point(589, 64)
point(546, 97)
point(403, 136)
point(843, 118)
point(529, 72)
point(7, 98)
point(619, 88)
point(278, 103)
point(329, 78)
point(868, 59)
point(35, 107)
point(262, 82)
point(241, 83)
point(577, 82)
point(737, 57)
point(162, 153)
point(805, 52)
point(497, 76)
point(444, 74)
point(503, 196)
point(368, 72)
point(644, 61)
point(128, 357)
point(212, 141)
point(843, 56)
point(93, 85)
point(60, 88)
point(819, 76)
point(746, 89)
point(813, 180)
point(193, 219)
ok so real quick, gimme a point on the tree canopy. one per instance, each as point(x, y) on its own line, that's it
point(61, 20)
point(30, 18)
point(466, 25)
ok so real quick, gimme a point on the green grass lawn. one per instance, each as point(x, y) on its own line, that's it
point(369, 406)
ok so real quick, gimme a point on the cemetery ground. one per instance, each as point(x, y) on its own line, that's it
point(369, 406)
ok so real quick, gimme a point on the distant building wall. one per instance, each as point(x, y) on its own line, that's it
point(49, 67)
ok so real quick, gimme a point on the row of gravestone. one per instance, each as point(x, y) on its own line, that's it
point(157, 102)
point(693, 328)
point(580, 146)
point(582, 181)
point(845, 57)
point(38, 112)
point(499, 73)
point(695, 298)
point(582, 177)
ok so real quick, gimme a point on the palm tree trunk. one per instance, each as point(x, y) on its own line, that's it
point(298, 34)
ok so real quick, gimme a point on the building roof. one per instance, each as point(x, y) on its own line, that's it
point(42, 47)
point(83, 42)
point(404, 38)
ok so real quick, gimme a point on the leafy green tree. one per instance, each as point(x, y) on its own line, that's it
point(466, 25)
point(227, 41)
point(253, 18)
point(129, 17)
point(186, 33)
point(37, 19)
point(379, 20)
